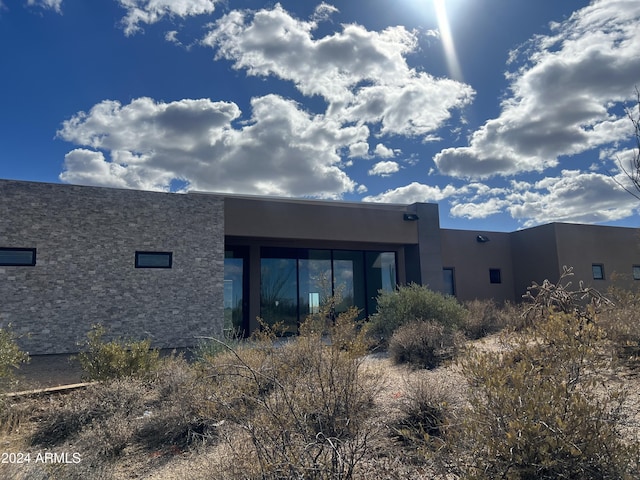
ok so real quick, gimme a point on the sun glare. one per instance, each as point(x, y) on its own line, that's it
point(451, 56)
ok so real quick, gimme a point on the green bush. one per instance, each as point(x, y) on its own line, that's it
point(10, 356)
point(422, 344)
point(102, 360)
point(410, 303)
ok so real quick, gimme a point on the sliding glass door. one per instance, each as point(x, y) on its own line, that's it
point(296, 282)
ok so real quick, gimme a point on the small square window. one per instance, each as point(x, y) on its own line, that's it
point(636, 272)
point(598, 271)
point(154, 259)
point(495, 275)
point(17, 257)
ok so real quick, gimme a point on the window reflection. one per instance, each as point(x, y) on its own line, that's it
point(233, 292)
point(297, 282)
point(380, 275)
point(278, 293)
point(314, 277)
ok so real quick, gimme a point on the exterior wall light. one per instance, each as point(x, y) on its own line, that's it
point(410, 217)
point(482, 239)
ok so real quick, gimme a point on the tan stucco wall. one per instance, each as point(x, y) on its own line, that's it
point(309, 220)
point(471, 261)
point(617, 248)
point(535, 257)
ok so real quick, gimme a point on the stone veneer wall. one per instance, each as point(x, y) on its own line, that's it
point(86, 238)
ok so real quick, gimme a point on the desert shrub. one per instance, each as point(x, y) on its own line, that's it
point(210, 347)
point(170, 410)
point(302, 407)
point(484, 317)
point(540, 409)
point(425, 414)
point(410, 303)
point(621, 321)
point(81, 409)
point(103, 360)
point(11, 357)
point(422, 344)
point(180, 413)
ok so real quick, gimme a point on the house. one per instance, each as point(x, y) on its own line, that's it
point(178, 267)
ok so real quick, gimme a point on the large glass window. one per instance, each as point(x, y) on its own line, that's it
point(234, 264)
point(296, 282)
point(279, 292)
point(380, 274)
point(314, 281)
point(348, 280)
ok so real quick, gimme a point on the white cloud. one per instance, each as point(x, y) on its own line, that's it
point(476, 210)
point(323, 12)
point(55, 5)
point(573, 196)
point(152, 11)
point(384, 169)
point(362, 74)
point(281, 150)
point(383, 151)
point(359, 150)
point(414, 192)
point(563, 99)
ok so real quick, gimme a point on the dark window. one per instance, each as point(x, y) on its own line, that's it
point(636, 272)
point(449, 279)
point(297, 282)
point(154, 259)
point(598, 271)
point(494, 275)
point(17, 257)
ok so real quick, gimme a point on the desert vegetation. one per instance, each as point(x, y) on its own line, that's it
point(418, 391)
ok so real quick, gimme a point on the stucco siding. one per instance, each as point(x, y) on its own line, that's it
point(472, 261)
point(617, 249)
point(535, 257)
point(86, 239)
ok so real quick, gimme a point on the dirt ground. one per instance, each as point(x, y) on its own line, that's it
point(44, 371)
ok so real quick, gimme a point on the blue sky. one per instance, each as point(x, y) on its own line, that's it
point(507, 113)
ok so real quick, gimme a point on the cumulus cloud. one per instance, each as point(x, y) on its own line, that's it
point(360, 149)
point(152, 11)
point(280, 150)
point(414, 192)
point(362, 74)
point(384, 169)
point(383, 151)
point(564, 99)
point(573, 196)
